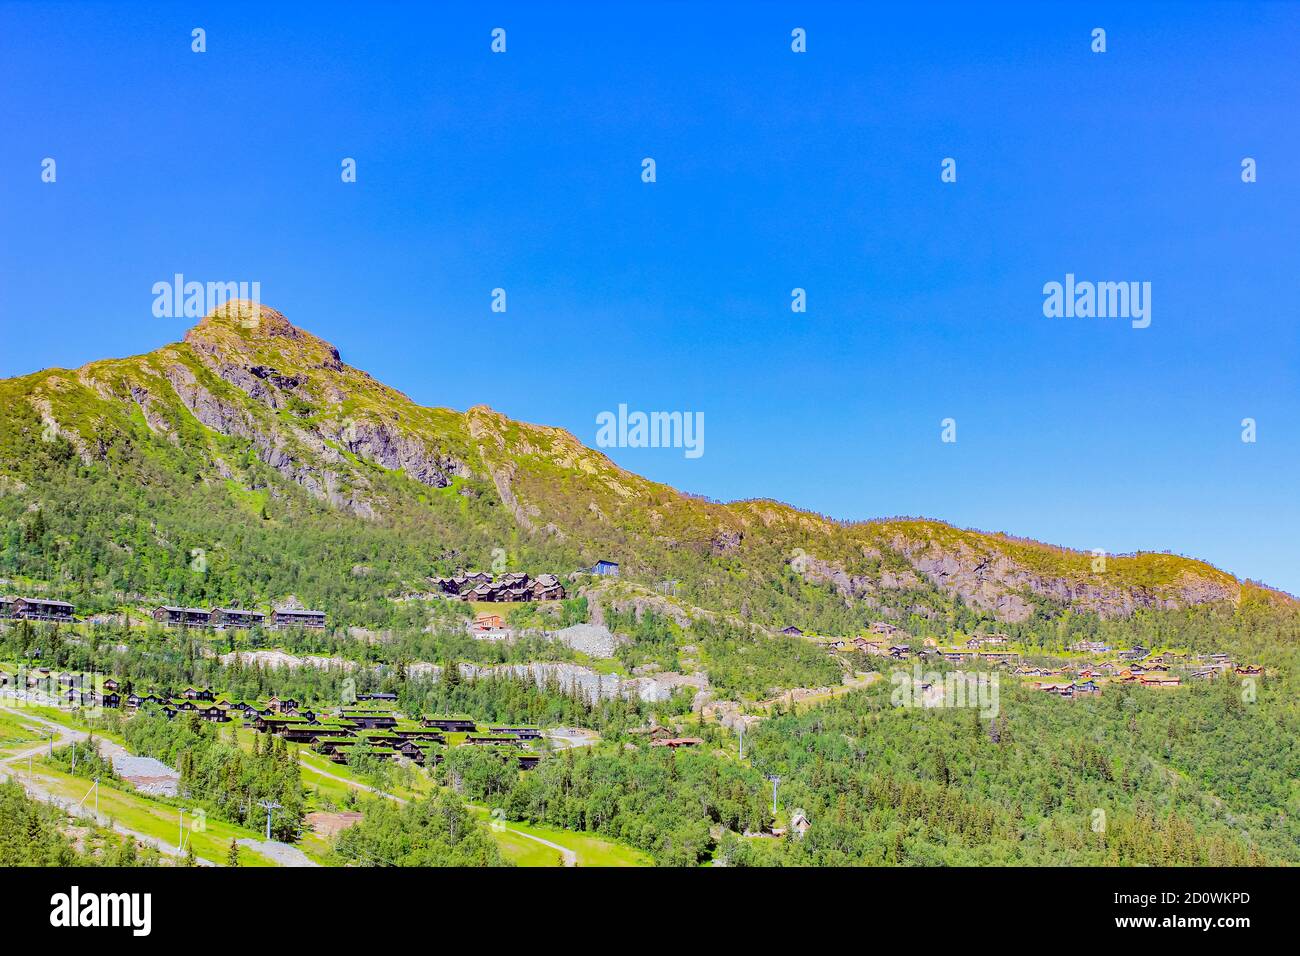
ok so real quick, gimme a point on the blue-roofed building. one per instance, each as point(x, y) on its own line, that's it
point(605, 567)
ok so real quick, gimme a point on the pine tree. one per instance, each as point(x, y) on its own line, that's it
point(232, 857)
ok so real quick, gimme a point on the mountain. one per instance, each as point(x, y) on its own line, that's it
point(249, 463)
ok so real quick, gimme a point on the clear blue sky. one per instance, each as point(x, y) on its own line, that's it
point(775, 170)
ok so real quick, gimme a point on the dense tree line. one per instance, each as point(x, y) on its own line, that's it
point(31, 834)
point(434, 831)
point(1136, 776)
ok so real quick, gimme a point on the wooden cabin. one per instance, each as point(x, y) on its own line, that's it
point(491, 740)
point(452, 723)
point(522, 731)
point(171, 616)
point(223, 618)
point(547, 587)
point(418, 752)
point(328, 744)
point(998, 657)
point(1159, 680)
point(370, 720)
point(39, 609)
point(213, 714)
point(305, 732)
point(420, 733)
point(296, 617)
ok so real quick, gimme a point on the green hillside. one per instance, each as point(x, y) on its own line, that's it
point(248, 463)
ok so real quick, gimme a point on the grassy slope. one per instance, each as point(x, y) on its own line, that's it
point(152, 817)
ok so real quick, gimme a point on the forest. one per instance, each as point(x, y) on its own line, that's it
point(33, 834)
point(227, 781)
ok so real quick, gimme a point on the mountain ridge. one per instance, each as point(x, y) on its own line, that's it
point(246, 391)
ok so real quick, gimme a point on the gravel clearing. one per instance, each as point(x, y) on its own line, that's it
point(281, 853)
point(594, 640)
point(149, 776)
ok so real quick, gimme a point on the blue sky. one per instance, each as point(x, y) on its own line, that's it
point(775, 170)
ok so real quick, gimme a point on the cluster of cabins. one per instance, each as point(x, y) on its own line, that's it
point(885, 642)
point(217, 618)
point(370, 725)
point(375, 729)
point(77, 689)
point(35, 609)
point(515, 586)
point(882, 628)
point(1132, 667)
point(989, 648)
point(880, 646)
point(222, 618)
point(1135, 666)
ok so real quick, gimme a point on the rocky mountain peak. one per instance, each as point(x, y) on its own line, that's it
point(244, 328)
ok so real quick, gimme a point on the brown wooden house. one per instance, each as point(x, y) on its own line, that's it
point(39, 609)
point(222, 618)
point(296, 617)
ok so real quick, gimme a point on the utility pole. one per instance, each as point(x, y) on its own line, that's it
point(269, 806)
point(775, 780)
point(180, 832)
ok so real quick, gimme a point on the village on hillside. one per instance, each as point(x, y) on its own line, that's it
point(1103, 665)
point(513, 586)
